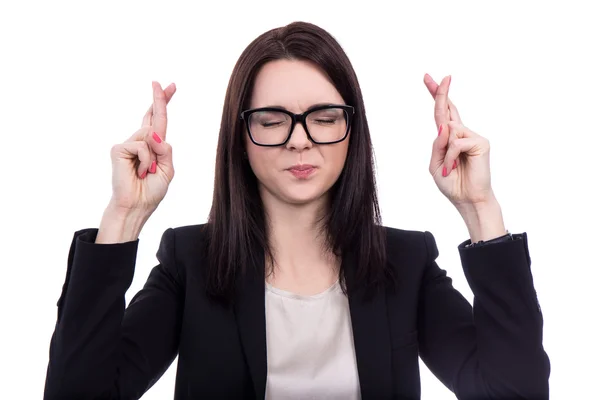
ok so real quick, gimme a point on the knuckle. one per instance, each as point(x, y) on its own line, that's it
point(453, 146)
point(456, 126)
point(115, 149)
point(142, 147)
point(147, 134)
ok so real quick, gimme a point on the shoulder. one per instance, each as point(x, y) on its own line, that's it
point(398, 241)
point(410, 246)
point(190, 234)
point(184, 242)
point(182, 250)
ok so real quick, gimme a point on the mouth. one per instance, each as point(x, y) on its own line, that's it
point(301, 167)
point(302, 171)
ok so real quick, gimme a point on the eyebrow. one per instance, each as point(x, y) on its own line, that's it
point(310, 107)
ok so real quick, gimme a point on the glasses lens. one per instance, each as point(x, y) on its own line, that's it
point(328, 125)
point(269, 127)
point(273, 127)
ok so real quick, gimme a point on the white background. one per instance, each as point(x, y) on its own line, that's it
point(76, 78)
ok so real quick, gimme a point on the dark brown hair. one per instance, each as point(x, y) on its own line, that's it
point(237, 224)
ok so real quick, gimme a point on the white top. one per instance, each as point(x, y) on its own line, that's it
point(310, 348)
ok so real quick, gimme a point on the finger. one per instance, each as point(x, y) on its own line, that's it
point(159, 111)
point(455, 148)
point(438, 151)
point(454, 115)
point(162, 149)
point(441, 113)
point(169, 92)
point(137, 150)
point(140, 134)
point(430, 84)
point(459, 130)
point(432, 87)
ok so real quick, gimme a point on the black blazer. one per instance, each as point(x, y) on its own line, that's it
point(100, 349)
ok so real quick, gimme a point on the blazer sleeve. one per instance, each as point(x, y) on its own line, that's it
point(99, 348)
point(492, 350)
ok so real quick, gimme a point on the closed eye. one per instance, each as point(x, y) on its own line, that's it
point(271, 124)
point(325, 121)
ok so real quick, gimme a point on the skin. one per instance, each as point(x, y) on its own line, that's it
point(293, 205)
point(143, 169)
point(459, 165)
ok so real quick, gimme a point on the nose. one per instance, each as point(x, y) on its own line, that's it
point(299, 139)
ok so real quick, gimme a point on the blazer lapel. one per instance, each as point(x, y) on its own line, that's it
point(249, 309)
point(370, 329)
point(371, 338)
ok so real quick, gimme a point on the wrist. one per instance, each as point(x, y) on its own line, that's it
point(484, 220)
point(119, 225)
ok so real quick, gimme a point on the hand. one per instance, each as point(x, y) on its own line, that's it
point(460, 159)
point(142, 165)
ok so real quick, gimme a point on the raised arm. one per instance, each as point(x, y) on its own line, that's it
point(99, 349)
point(492, 350)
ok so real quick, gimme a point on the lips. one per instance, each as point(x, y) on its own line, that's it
point(303, 171)
point(301, 167)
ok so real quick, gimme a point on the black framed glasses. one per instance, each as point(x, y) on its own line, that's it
point(273, 126)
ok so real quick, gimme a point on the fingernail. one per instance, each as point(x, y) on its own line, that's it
point(454, 165)
point(144, 174)
point(153, 167)
point(440, 130)
point(156, 138)
point(444, 172)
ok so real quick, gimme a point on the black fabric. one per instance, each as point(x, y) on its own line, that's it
point(102, 350)
point(503, 238)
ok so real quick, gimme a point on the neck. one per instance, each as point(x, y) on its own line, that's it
point(302, 262)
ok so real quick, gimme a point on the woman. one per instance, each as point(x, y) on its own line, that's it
point(293, 289)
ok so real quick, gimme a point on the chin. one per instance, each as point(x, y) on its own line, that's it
point(305, 193)
point(301, 195)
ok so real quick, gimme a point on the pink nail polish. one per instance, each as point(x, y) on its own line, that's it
point(444, 172)
point(144, 175)
point(153, 167)
point(156, 138)
point(454, 164)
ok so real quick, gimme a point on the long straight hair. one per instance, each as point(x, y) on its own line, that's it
point(237, 223)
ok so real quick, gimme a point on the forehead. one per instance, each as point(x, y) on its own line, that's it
point(293, 84)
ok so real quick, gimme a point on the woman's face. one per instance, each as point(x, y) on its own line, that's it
point(296, 86)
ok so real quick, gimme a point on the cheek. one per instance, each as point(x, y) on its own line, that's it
point(335, 157)
point(261, 159)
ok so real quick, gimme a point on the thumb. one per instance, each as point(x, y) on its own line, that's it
point(439, 148)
